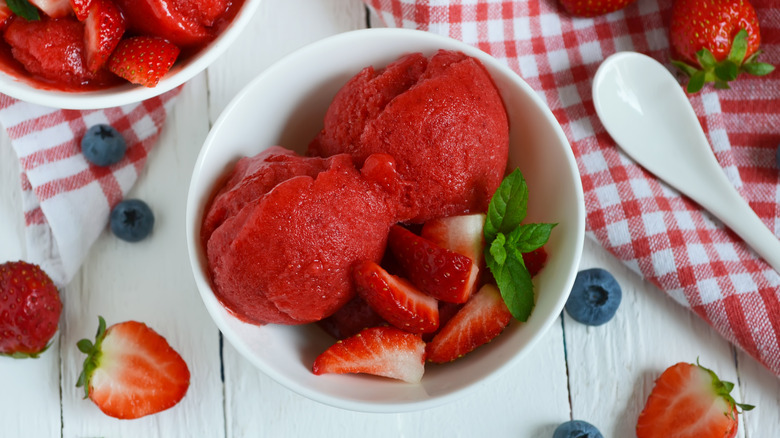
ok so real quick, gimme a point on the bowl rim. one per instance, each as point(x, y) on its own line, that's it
point(209, 299)
point(127, 93)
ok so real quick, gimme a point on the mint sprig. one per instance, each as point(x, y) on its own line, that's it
point(24, 9)
point(507, 239)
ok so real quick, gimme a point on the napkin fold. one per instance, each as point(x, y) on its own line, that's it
point(66, 200)
point(658, 233)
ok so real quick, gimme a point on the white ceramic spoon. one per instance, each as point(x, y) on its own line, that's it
point(644, 109)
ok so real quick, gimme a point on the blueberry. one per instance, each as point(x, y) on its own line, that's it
point(594, 297)
point(103, 145)
point(132, 220)
point(577, 429)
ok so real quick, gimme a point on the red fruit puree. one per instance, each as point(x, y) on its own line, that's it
point(422, 138)
point(51, 53)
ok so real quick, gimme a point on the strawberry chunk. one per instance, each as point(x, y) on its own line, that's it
point(689, 401)
point(441, 273)
point(53, 49)
point(480, 320)
point(53, 8)
point(462, 234)
point(381, 351)
point(5, 14)
point(183, 22)
point(131, 371)
point(395, 299)
point(535, 260)
point(143, 60)
point(350, 319)
point(81, 8)
point(103, 28)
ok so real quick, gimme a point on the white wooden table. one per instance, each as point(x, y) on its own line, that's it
point(602, 374)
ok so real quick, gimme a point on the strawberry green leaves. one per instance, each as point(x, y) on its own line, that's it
point(725, 71)
point(506, 239)
point(24, 9)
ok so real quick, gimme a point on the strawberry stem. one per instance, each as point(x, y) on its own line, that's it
point(93, 353)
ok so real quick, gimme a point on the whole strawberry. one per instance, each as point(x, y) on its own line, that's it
point(715, 41)
point(689, 401)
point(30, 309)
point(592, 8)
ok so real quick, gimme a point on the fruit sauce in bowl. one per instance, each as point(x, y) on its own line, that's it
point(285, 106)
point(102, 88)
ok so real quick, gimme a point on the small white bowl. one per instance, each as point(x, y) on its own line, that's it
point(285, 106)
point(128, 93)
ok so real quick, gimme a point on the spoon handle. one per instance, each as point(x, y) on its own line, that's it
point(721, 199)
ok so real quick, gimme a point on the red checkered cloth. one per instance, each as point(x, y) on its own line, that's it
point(67, 200)
point(663, 236)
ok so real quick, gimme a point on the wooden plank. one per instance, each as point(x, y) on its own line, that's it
point(151, 281)
point(613, 367)
point(27, 385)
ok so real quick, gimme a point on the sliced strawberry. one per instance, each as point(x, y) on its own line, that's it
point(131, 371)
point(81, 8)
point(53, 8)
point(5, 14)
point(535, 260)
point(183, 22)
point(143, 60)
point(441, 273)
point(481, 319)
point(350, 319)
point(462, 234)
point(689, 400)
point(395, 299)
point(103, 29)
point(382, 351)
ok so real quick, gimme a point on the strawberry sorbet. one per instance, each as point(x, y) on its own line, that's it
point(443, 121)
point(420, 139)
point(283, 234)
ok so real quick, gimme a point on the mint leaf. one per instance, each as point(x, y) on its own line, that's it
point(507, 239)
point(497, 249)
point(514, 282)
point(529, 237)
point(507, 207)
point(24, 9)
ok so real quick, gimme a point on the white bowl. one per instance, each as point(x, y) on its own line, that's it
point(128, 93)
point(285, 106)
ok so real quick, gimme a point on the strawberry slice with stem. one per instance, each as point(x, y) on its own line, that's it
point(439, 272)
point(482, 318)
point(395, 299)
point(381, 351)
point(131, 371)
point(689, 400)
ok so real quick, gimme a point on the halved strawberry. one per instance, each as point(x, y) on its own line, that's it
point(53, 8)
point(480, 320)
point(382, 351)
point(131, 371)
point(81, 8)
point(103, 29)
point(143, 60)
point(350, 319)
point(395, 299)
point(462, 234)
point(441, 273)
point(689, 401)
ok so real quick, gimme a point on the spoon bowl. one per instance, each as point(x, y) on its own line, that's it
point(644, 109)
